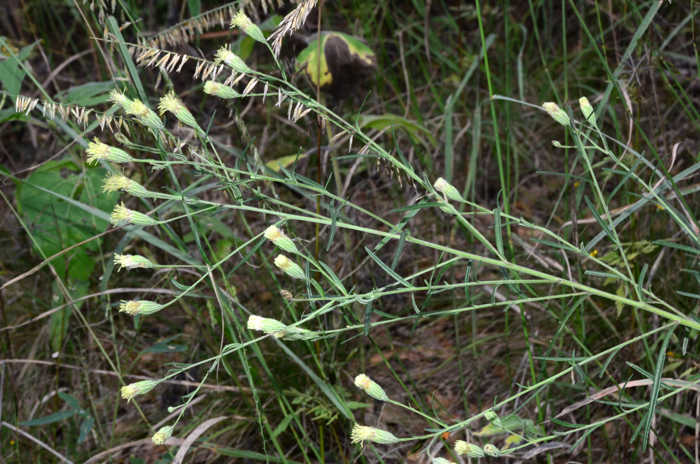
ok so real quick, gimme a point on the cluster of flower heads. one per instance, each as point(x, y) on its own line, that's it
point(98, 151)
point(561, 116)
point(361, 433)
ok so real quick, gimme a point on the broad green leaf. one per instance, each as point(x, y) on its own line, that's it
point(51, 418)
point(70, 399)
point(285, 161)
point(90, 94)
point(57, 224)
point(11, 75)
point(415, 130)
point(165, 346)
point(85, 428)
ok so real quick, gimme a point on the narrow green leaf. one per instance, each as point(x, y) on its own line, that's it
point(677, 246)
point(399, 250)
point(283, 425)
point(561, 174)
point(599, 220)
point(606, 275)
point(607, 362)
point(555, 245)
point(415, 207)
point(624, 179)
point(497, 226)
point(334, 217)
point(247, 257)
point(388, 270)
point(640, 281)
point(656, 386)
point(368, 317)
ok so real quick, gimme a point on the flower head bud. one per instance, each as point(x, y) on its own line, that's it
point(360, 433)
point(118, 98)
point(287, 295)
point(162, 435)
point(232, 60)
point(557, 144)
point(491, 450)
point(131, 262)
point(101, 151)
point(114, 182)
point(138, 388)
point(557, 113)
point(220, 90)
point(246, 25)
point(467, 449)
point(265, 324)
point(132, 308)
point(129, 216)
point(145, 115)
point(442, 461)
point(492, 417)
point(297, 333)
point(277, 237)
point(587, 110)
point(372, 388)
point(290, 268)
point(171, 103)
point(442, 186)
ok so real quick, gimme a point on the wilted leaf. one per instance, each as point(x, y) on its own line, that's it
point(285, 161)
point(343, 63)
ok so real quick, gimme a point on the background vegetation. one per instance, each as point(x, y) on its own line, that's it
point(524, 294)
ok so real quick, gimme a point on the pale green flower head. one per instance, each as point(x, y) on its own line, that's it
point(243, 22)
point(277, 237)
point(132, 262)
point(122, 214)
point(170, 103)
point(132, 308)
point(138, 388)
point(372, 388)
point(101, 151)
point(558, 114)
point(220, 90)
point(162, 435)
point(145, 115)
point(226, 56)
point(119, 182)
point(118, 98)
point(290, 268)
point(587, 110)
point(467, 449)
point(361, 433)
